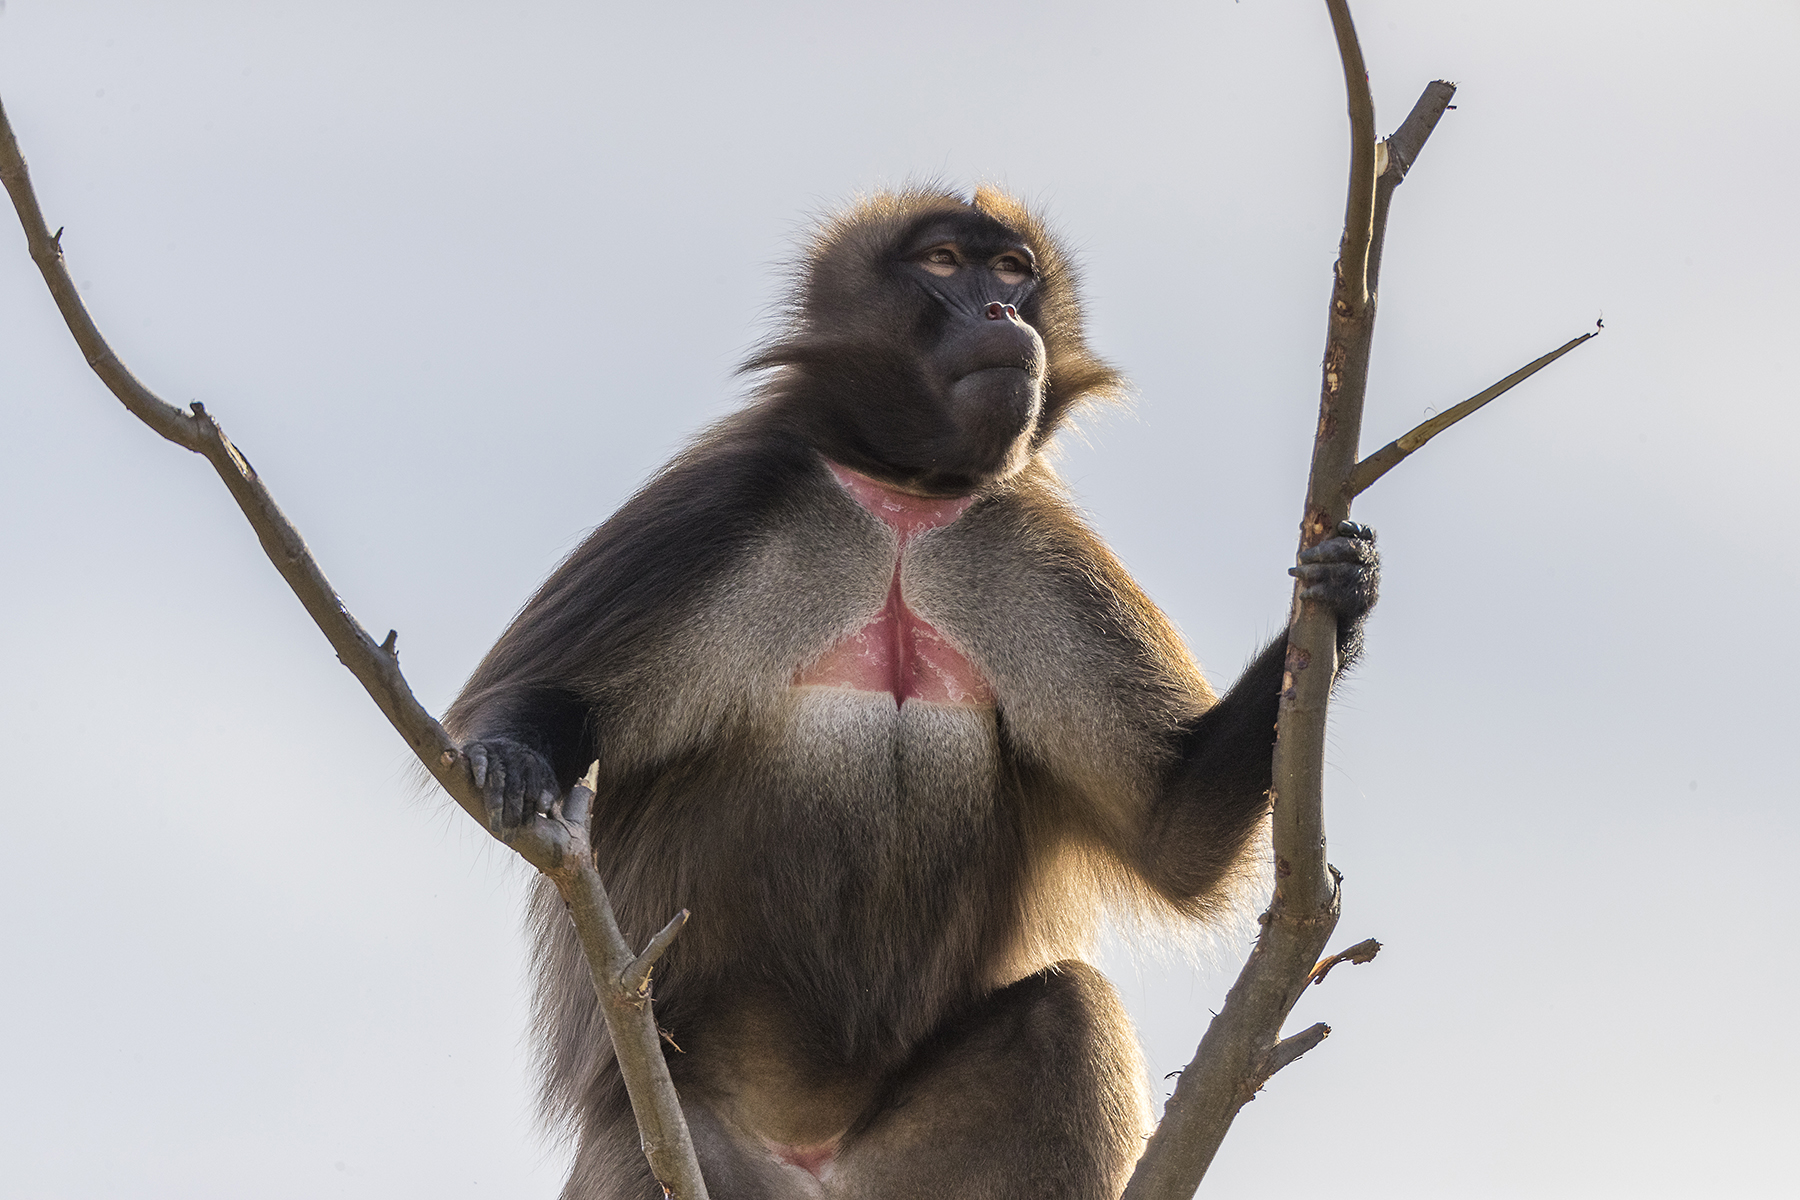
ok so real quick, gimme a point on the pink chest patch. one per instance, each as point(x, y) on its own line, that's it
point(898, 651)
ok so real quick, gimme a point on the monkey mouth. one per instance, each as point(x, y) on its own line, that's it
point(993, 413)
point(992, 345)
point(998, 389)
point(994, 370)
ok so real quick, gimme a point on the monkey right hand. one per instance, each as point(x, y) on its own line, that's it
point(515, 781)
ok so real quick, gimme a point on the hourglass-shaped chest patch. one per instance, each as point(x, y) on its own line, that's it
point(897, 651)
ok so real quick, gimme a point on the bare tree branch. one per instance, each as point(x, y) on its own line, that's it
point(1356, 248)
point(1240, 1049)
point(1391, 455)
point(556, 845)
point(621, 980)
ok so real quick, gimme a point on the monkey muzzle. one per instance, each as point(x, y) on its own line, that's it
point(995, 366)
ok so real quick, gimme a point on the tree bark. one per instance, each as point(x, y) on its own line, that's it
point(557, 845)
point(1242, 1046)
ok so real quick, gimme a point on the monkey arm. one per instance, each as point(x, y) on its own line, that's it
point(531, 716)
point(525, 748)
point(1215, 794)
point(522, 720)
point(552, 722)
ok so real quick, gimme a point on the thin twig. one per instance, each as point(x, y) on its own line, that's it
point(637, 976)
point(1287, 1050)
point(556, 846)
point(1404, 144)
point(1400, 150)
point(1395, 452)
point(1354, 251)
point(1364, 951)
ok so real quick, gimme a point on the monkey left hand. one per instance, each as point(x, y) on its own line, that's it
point(1344, 572)
point(516, 781)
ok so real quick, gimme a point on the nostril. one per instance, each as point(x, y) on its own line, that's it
point(996, 310)
point(1011, 311)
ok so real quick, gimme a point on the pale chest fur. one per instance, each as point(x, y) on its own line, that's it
point(934, 730)
point(892, 650)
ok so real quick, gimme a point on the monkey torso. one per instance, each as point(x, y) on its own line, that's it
point(873, 704)
point(886, 763)
point(880, 744)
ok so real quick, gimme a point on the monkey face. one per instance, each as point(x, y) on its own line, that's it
point(983, 362)
point(925, 347)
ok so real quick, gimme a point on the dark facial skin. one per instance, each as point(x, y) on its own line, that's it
point(922, 365)
point(985, 364)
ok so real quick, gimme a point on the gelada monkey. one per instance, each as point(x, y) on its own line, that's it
point(871, 700)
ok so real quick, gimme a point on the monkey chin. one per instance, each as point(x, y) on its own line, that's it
point(996, 411)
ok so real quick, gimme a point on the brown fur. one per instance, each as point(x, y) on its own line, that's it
point(890, 902)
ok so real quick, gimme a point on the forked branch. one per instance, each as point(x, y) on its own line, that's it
point(1391, 455)
point(1242, 1046)
point(554, 845)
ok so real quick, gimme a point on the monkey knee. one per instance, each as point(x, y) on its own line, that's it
point(1081, 1044)
point(1038, 1092)
point(1058, 1053)
point(1070, 1030)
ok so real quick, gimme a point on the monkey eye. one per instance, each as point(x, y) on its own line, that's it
point(940, 260)
point(1011, 268)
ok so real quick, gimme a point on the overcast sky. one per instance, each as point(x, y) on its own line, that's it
point(458, 277)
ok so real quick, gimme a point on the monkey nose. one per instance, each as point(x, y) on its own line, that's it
point(997, 310)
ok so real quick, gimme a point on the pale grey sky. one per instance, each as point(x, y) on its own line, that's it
point(458, 277)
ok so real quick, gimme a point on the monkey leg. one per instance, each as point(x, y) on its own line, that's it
point(1038, 1093)
point(609, 1162)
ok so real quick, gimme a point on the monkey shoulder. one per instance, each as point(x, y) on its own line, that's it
point(688, 612)
point(1085, 666)
point(608, 614)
